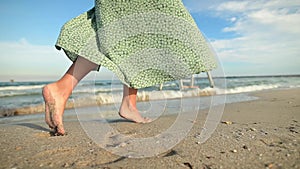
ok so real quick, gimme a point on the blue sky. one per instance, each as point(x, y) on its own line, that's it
point(250, 37)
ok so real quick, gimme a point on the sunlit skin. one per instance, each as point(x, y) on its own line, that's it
point(56, 95)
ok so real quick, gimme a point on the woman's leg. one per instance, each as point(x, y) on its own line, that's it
point(56, 94)
point(128, 109)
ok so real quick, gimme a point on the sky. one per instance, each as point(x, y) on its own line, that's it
point(249, 37)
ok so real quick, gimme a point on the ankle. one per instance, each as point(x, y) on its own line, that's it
point(59, 90)
point(127, 105)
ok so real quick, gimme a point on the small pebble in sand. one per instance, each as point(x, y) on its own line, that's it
point(263, 132)
point(193, 121)
point(227, 122)
point(189, 165)
point(66, 165)
point(122, 145)
point(269, 165)
point(241, 133)
point(197, 136)
point(245, 147)
point(234, 151)
point(19, 148)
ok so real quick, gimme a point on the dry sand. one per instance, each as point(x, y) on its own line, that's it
point(257, 134)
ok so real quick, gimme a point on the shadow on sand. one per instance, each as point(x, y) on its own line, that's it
point(34, 126)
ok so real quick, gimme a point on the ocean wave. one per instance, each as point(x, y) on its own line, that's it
point(13, 91)
point(96, 90)
point(19, 93)
point(244, 89)
point(18, 88)
point(106, 99)
point(111, 98)
point(294, 86)
point(10, 94)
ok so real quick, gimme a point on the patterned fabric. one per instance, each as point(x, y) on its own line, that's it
point(144, 42)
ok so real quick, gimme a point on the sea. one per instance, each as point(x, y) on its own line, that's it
point(21, 98)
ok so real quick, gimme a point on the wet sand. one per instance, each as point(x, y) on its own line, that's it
point(263, 133)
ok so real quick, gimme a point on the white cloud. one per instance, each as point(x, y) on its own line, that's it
point(268, 35)
point(234, 6)
point(233, 19)
point(21, 59)
point(281, 20)
point(200, 5)
point(244, 6)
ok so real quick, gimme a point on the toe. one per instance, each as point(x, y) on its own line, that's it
point(57, 121)
point(59, 130)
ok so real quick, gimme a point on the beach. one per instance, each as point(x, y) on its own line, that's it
point(261, 133)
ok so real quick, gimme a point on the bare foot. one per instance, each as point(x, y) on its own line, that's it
point(132, 114)
point(54, 108)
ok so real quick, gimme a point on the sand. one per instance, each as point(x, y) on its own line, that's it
point(263, 133)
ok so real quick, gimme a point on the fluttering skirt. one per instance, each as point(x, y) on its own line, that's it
point(144, 42)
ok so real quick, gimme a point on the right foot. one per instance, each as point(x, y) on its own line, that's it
point(132, 114)
point(54, 108)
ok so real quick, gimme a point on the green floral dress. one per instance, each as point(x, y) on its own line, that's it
point(144, 42)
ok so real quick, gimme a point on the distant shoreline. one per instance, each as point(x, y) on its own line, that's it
point(260, 76)
point(202, 76)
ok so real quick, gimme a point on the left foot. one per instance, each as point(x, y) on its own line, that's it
point(54, 108)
